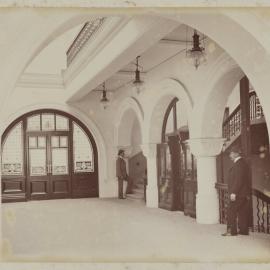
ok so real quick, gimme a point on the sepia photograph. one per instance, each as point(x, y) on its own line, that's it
point(134, 134)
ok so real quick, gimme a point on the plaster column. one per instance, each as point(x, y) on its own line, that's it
point(205, 150)
point(150, 152)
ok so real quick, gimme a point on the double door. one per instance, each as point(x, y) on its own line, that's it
point(170, 184)
point(48, 170)
point(177, 175)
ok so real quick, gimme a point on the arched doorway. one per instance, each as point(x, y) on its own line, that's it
point(48, 154)
point(176, 165)
point(129, 120)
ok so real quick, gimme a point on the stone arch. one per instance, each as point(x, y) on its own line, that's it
point(165, 92)
point(254, 61)
point(208, 115)
point(100, 142)
point(129, 112)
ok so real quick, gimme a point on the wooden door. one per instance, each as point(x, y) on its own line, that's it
point(38, 178)
point(59, 165)
point(170, 184)
point(164, 176)
point(48, 166)
point(177, 183)
point(189, 174)
point(85, 166)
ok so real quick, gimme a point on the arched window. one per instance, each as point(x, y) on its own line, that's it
point(48, 154)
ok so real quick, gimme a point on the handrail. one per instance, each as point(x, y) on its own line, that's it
point(221, 186)
point(261, 195)
point(232, 124)
point(261, 219)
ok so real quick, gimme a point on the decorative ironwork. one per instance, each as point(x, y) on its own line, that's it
point(261, 222)
point(232, 125)
point(223, 199)
point(256, 111)
point(83, 37)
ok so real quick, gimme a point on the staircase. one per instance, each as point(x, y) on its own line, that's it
point(137, 192)
point(259, 149)
point(232, 123)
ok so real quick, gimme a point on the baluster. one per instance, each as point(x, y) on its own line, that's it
point(233, 125)
point(230, 128)
point(258, 214)
point(236, 122)
point(228, 131)
point(262, 223)
point(251, 107)
point(220, 206)
point(254, 107)
point(267, 216)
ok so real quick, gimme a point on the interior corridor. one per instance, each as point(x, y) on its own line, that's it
point(112, 230)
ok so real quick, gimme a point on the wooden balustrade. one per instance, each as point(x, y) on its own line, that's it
point(232, 124)
point(261, 222)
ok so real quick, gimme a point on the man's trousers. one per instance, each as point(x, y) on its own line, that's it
point(238, 210)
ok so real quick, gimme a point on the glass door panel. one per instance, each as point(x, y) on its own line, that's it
point(38, 169)
point(60, 179)
point(165, 176)
point(37, 160)
point(59, 161)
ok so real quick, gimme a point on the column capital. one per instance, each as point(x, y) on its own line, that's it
point(149, 149)
point(206, 147)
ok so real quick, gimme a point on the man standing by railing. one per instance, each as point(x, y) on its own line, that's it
point(239, 195)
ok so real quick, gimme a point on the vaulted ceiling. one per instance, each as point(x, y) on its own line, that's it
point(156, 47)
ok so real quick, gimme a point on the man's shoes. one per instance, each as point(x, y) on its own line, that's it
point(122, 198)
point(229, 234)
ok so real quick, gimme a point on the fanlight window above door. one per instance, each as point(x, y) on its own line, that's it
point(47, 122)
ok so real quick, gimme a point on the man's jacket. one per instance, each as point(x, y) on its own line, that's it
point(239, 179)
point(121, 171)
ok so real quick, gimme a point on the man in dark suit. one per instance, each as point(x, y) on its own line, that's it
point(239, 195)
point(121, 173)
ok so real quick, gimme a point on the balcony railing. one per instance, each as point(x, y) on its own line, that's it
point(232, 125)
point(261, 213)
point(83, 37)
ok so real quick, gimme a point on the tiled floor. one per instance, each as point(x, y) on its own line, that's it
point(111, 230)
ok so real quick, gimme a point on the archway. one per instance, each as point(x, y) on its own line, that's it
point(129, 137)
point(253, 61)
point(48, 154)
point(167, 130)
